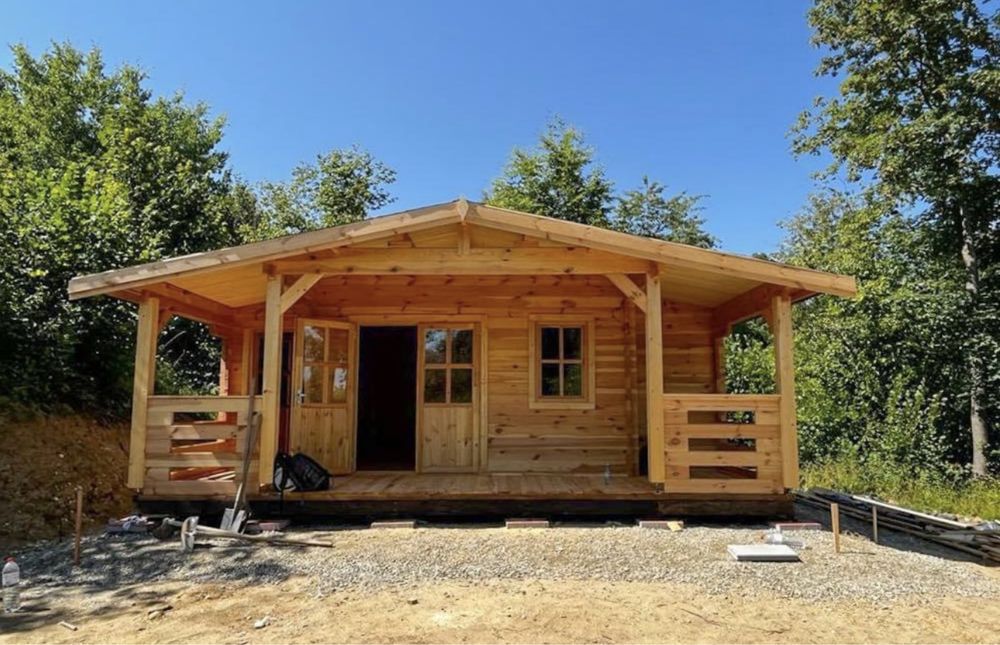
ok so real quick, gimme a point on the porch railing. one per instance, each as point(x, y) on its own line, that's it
point(722, 443)
point(195, 445)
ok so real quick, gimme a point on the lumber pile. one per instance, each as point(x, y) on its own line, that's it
point(980, 540)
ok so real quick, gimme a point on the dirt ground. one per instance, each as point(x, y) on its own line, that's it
point(46, 459)
point(471, 585)
point(500, 611)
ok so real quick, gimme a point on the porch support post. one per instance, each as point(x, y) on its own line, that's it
point(143, 382)
point(655, 444)
point(784, 370)
point(271, 379)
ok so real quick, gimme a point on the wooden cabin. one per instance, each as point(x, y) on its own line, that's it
point(463, 352)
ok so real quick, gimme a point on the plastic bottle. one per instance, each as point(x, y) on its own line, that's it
point(11, 579)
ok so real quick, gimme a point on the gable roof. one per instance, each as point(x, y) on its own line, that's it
point(669, 255)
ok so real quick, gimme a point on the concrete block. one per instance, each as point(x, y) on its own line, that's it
point(527, 523)
point(394, 524)
point(671, 525)
point(762, 553)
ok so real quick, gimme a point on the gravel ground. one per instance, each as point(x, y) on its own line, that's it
point(366, 560)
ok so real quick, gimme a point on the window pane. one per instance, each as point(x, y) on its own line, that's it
point(461, 346)
point(572, 379)
point(338, 384)
point(434, 386)
point(550, 379)
point(313, 343)
point(550, 342)
point(435, 344)
point(338, 345)
point(461, 386)
point(312, 384)
point(572, 342)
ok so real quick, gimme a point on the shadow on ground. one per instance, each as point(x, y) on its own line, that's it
point(117, 570)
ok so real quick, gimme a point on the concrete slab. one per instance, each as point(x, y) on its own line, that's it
point(395, 524)
point(762, 553)
point(527, 523)
point(671, 525)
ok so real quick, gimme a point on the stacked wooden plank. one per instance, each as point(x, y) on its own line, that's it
point(980, 540)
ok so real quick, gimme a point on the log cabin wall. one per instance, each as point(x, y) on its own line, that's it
point(520, 439)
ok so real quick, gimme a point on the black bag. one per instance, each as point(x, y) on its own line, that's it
point(299, 472)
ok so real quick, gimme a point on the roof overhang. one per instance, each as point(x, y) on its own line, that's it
point(694, 268)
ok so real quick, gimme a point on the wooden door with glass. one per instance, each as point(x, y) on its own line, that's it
point(322, 424)
point(447, 398)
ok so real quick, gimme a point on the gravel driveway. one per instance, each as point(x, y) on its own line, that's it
point(372, 560)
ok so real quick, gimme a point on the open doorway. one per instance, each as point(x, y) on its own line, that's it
point(387, 398)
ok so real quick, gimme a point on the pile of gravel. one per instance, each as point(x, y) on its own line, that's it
point(370, 560)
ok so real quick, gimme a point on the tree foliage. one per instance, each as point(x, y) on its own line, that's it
point(917, 123)
point(647, 212)
point(341, 187)
point(559, 178)
point(95, 172)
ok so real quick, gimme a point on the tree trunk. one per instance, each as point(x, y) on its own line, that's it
point(977, 423)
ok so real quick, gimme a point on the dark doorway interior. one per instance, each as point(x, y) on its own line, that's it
point(387, 398)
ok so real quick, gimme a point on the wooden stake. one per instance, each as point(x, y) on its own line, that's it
point(875, 524)
point(79, 525)
point(835, 525)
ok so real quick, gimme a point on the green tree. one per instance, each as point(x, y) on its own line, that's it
point(646, 212)
point(918, 120)
point(342, 187)
point(556, 179)
point(94, 173)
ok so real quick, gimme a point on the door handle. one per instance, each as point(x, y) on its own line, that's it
point(301, 396)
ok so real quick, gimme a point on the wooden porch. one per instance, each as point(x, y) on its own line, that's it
point(407, 486)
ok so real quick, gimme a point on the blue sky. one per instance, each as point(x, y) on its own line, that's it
point(698, 95)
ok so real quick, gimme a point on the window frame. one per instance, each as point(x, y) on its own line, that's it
point(448, 366)
point(537, 401)
point(327, 365)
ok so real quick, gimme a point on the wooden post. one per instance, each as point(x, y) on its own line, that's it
point(875, 524)
point(784, 371)
point(272, 379)
point(247, 380)
point(655, 441)
point(835, 525)
point(143, 383)
point(79, 525)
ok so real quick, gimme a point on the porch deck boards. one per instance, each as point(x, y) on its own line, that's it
point(371, 486)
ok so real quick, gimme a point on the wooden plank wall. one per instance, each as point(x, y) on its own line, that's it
point(523, 440)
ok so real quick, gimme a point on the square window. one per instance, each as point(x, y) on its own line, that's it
point(461, 385)
point(312, 384)
point(562, 368)
point(572, 343)
point(572, 379)
point(461, 346)
point(435, 386)
point(550, 343)
point(313, 343)
point(550, 379)
point(436, 346)
point(338, 384)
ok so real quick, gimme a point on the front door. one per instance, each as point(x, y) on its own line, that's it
point(447, 396)
point(387, 398)
point(323, 400)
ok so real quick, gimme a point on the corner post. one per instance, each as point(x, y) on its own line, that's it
point(143, 384)
point(655, 444)
point(784, 371)
point(271, 389)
